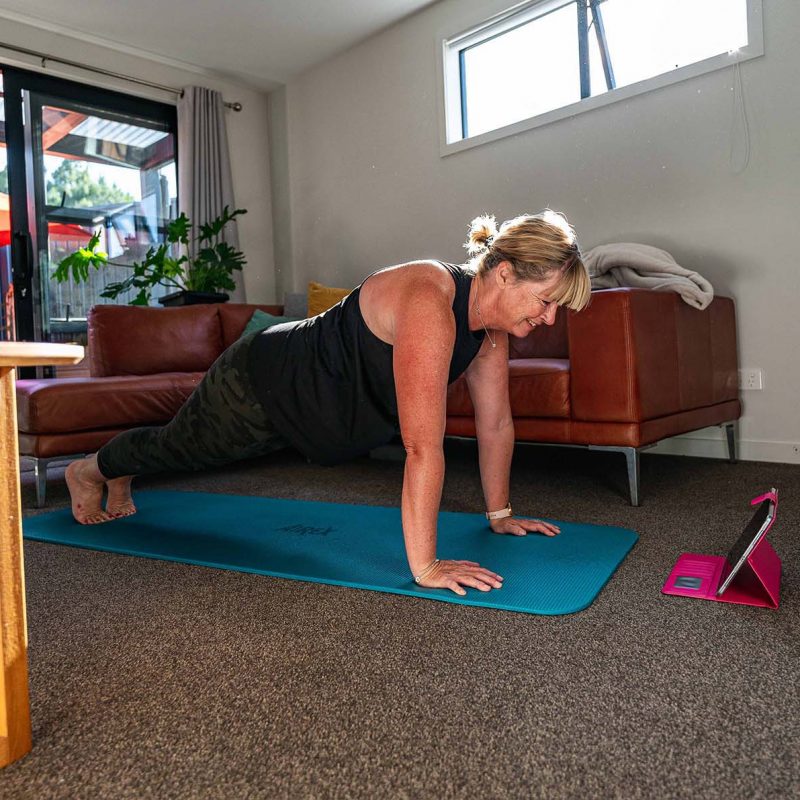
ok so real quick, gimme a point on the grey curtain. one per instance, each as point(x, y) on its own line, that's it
point(205, 185)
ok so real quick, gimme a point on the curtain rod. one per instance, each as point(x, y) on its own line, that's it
point(45, 58)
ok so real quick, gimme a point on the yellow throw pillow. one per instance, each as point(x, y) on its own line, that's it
point(321, 298)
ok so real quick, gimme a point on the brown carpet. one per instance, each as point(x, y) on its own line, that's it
point(158, 680)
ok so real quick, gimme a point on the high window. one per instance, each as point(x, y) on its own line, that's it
point(545, 60)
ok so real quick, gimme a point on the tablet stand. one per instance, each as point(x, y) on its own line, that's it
point(757, 583)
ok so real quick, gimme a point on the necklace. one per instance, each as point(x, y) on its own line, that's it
point(480, 317)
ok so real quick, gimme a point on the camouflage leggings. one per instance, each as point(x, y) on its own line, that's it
point(220, 422)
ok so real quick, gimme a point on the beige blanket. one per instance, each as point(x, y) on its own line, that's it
point(639, 265)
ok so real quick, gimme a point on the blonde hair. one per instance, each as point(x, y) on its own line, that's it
point(536, 246)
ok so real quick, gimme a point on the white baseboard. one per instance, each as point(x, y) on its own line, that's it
point(716, 447)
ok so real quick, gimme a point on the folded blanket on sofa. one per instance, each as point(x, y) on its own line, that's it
point(642, 266)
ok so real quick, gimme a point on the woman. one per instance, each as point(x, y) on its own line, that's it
point(339, 384)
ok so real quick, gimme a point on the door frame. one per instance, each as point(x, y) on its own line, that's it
point(24, 245)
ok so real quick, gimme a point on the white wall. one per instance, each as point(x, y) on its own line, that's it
point(365, 186)
point(247, 129)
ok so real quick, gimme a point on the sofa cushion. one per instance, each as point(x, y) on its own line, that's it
point(66, 405)
point(547, 341)
point(537, 387)
point(321, 297)
point(261, 321)
point(134, 340)
point(235, 316)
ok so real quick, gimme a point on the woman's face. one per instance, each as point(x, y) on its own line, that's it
point(524, 305)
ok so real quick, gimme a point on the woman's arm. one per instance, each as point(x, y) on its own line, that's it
point(487, 378)
point(423, 334)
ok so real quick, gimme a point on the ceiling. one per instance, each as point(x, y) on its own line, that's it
point(258, 42)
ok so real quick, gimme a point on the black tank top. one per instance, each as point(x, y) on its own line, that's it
point(327, 383)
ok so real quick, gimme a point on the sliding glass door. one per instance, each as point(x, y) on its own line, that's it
point(74, 161)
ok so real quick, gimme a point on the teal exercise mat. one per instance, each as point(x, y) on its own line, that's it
point(348, 545)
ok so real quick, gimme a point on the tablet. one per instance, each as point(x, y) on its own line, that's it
point(752, 534)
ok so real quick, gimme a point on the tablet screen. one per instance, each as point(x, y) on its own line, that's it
point(748, 539)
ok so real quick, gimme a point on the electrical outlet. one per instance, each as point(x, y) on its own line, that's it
point(751, 379)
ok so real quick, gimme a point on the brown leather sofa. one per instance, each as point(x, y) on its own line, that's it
point(635, 367)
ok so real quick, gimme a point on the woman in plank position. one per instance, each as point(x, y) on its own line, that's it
point(339, 384)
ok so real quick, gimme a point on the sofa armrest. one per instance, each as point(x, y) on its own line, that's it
point(637, 354)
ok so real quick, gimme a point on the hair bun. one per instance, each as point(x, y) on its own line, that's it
point(482, 231)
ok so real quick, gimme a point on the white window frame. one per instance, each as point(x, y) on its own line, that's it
point(449, 74)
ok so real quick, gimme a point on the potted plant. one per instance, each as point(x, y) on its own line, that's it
point(202, 278)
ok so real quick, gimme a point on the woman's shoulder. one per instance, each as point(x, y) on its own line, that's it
point(410, 288)
point(414, 276)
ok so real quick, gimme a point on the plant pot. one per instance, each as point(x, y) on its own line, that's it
point(184, 298)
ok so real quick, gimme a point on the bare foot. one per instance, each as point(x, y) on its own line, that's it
point(120, 501)
point(86, 494)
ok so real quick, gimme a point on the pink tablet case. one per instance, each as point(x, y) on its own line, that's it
point(757, 583)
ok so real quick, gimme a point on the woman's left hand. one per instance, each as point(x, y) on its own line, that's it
point(517, 526)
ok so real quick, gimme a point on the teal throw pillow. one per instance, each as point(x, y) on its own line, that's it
point(261, 320)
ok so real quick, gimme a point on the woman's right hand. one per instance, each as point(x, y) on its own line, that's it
point(455, 575)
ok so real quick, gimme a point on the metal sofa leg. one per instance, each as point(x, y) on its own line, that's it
point(730, 433)
point(632, 459)
point(40, 472)
point(40, 466)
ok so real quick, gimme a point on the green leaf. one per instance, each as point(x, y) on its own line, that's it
point(211, 230)
point(114, 290)
point(173, 267)
point(178, 230)
point(77, 264)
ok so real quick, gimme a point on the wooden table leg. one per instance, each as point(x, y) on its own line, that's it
point(15, 716)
